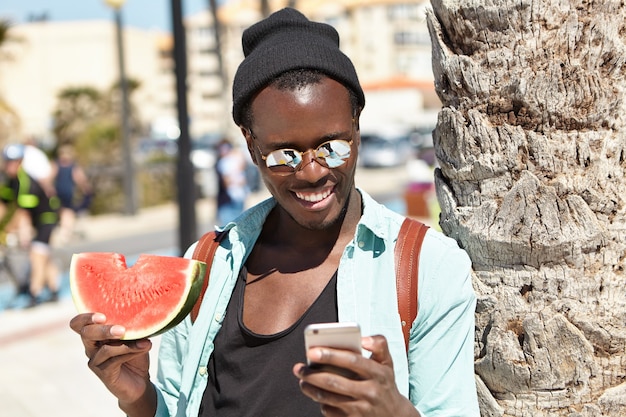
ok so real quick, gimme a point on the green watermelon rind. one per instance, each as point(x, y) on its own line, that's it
point(192, 297)
point(195, 274)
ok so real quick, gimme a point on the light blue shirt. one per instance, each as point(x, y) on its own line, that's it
point(438, 372)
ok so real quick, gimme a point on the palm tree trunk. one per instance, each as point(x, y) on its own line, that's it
point(531, 142)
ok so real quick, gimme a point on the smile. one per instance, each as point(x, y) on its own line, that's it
point(314, 197)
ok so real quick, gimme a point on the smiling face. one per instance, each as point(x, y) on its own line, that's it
point(314, 196)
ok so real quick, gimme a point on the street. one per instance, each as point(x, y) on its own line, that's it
point(44, 369)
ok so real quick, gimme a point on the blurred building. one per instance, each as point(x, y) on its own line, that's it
point(206, 95)
point(52, 56)
point(387, 40)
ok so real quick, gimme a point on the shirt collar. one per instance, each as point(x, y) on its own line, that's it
point(250, 223)
point(373, 218)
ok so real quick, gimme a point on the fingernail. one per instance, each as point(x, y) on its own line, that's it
point(315, 354)
point(117, 330)
point(98, 318)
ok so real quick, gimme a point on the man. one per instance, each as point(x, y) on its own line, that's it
point(319, 250)
point(24, 195)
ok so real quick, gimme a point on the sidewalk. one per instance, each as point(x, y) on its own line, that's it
point(43, 369)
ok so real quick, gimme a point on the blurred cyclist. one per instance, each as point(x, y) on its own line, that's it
point(25, 198)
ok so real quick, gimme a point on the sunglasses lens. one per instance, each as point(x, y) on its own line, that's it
point(283, 160)
point(334, 152)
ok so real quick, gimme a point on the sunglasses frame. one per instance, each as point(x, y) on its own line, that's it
point(319, 160)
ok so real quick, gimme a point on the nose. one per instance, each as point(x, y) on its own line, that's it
point(311, 170)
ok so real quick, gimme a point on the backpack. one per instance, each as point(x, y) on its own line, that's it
point(407, 252)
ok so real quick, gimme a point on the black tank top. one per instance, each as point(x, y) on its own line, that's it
point(251, 374)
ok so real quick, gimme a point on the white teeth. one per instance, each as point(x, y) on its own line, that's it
point(313, 198)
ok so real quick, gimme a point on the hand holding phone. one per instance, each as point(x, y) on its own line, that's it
point(346, 336)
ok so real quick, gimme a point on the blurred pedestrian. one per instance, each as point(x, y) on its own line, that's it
point(26, 198)
point(232, 188)
point(73, 189)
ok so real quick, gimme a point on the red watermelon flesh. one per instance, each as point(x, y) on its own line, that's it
point(153, 295)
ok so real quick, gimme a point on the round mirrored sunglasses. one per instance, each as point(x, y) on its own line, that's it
point(330, 154)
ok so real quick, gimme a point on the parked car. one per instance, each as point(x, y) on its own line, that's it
point(387, 147)
point(422, 137)
point(422, 140)
point(149, 149)
point(204, 151)
point(204, 157)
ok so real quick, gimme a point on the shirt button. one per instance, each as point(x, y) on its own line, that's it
point(361, 244)
point(218, 317)
point(202, 370)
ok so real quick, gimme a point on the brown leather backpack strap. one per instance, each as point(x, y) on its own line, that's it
point(205, 251)
point(407, 255)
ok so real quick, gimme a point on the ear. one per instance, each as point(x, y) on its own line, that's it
point(250, 145)
point(357, 129)
point(357, 119)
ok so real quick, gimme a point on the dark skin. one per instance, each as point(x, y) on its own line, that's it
point(277, 271)
point(317, 213)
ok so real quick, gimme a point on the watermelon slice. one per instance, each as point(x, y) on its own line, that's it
point(150, 297)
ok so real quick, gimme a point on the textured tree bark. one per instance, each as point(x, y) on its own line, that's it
point(531, 143)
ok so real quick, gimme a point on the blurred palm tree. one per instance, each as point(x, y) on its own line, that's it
point(5, 35)
point(76, 109)
point(9, 120)
point(87, 118)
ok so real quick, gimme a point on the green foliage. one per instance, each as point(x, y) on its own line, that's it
point(7, 37)
point(77, 109)
point(5, 28)
point(99, 144)
point(89, 119)
point(156, 183)
point(131, 84)
point(109, 195)
point(9, 120)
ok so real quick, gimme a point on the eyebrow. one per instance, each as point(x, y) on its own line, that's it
point(319, 141)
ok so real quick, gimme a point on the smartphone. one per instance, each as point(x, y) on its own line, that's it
point(335, 335)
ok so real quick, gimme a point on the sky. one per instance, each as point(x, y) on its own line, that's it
point(146, 14)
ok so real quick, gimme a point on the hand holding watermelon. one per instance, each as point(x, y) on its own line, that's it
point(123, 367)
point(120, 307)
point(153, 295)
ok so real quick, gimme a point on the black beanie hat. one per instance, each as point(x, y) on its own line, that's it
point(285, 41)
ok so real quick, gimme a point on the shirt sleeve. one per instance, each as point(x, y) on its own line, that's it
point(441, 353)
point(173, 346)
